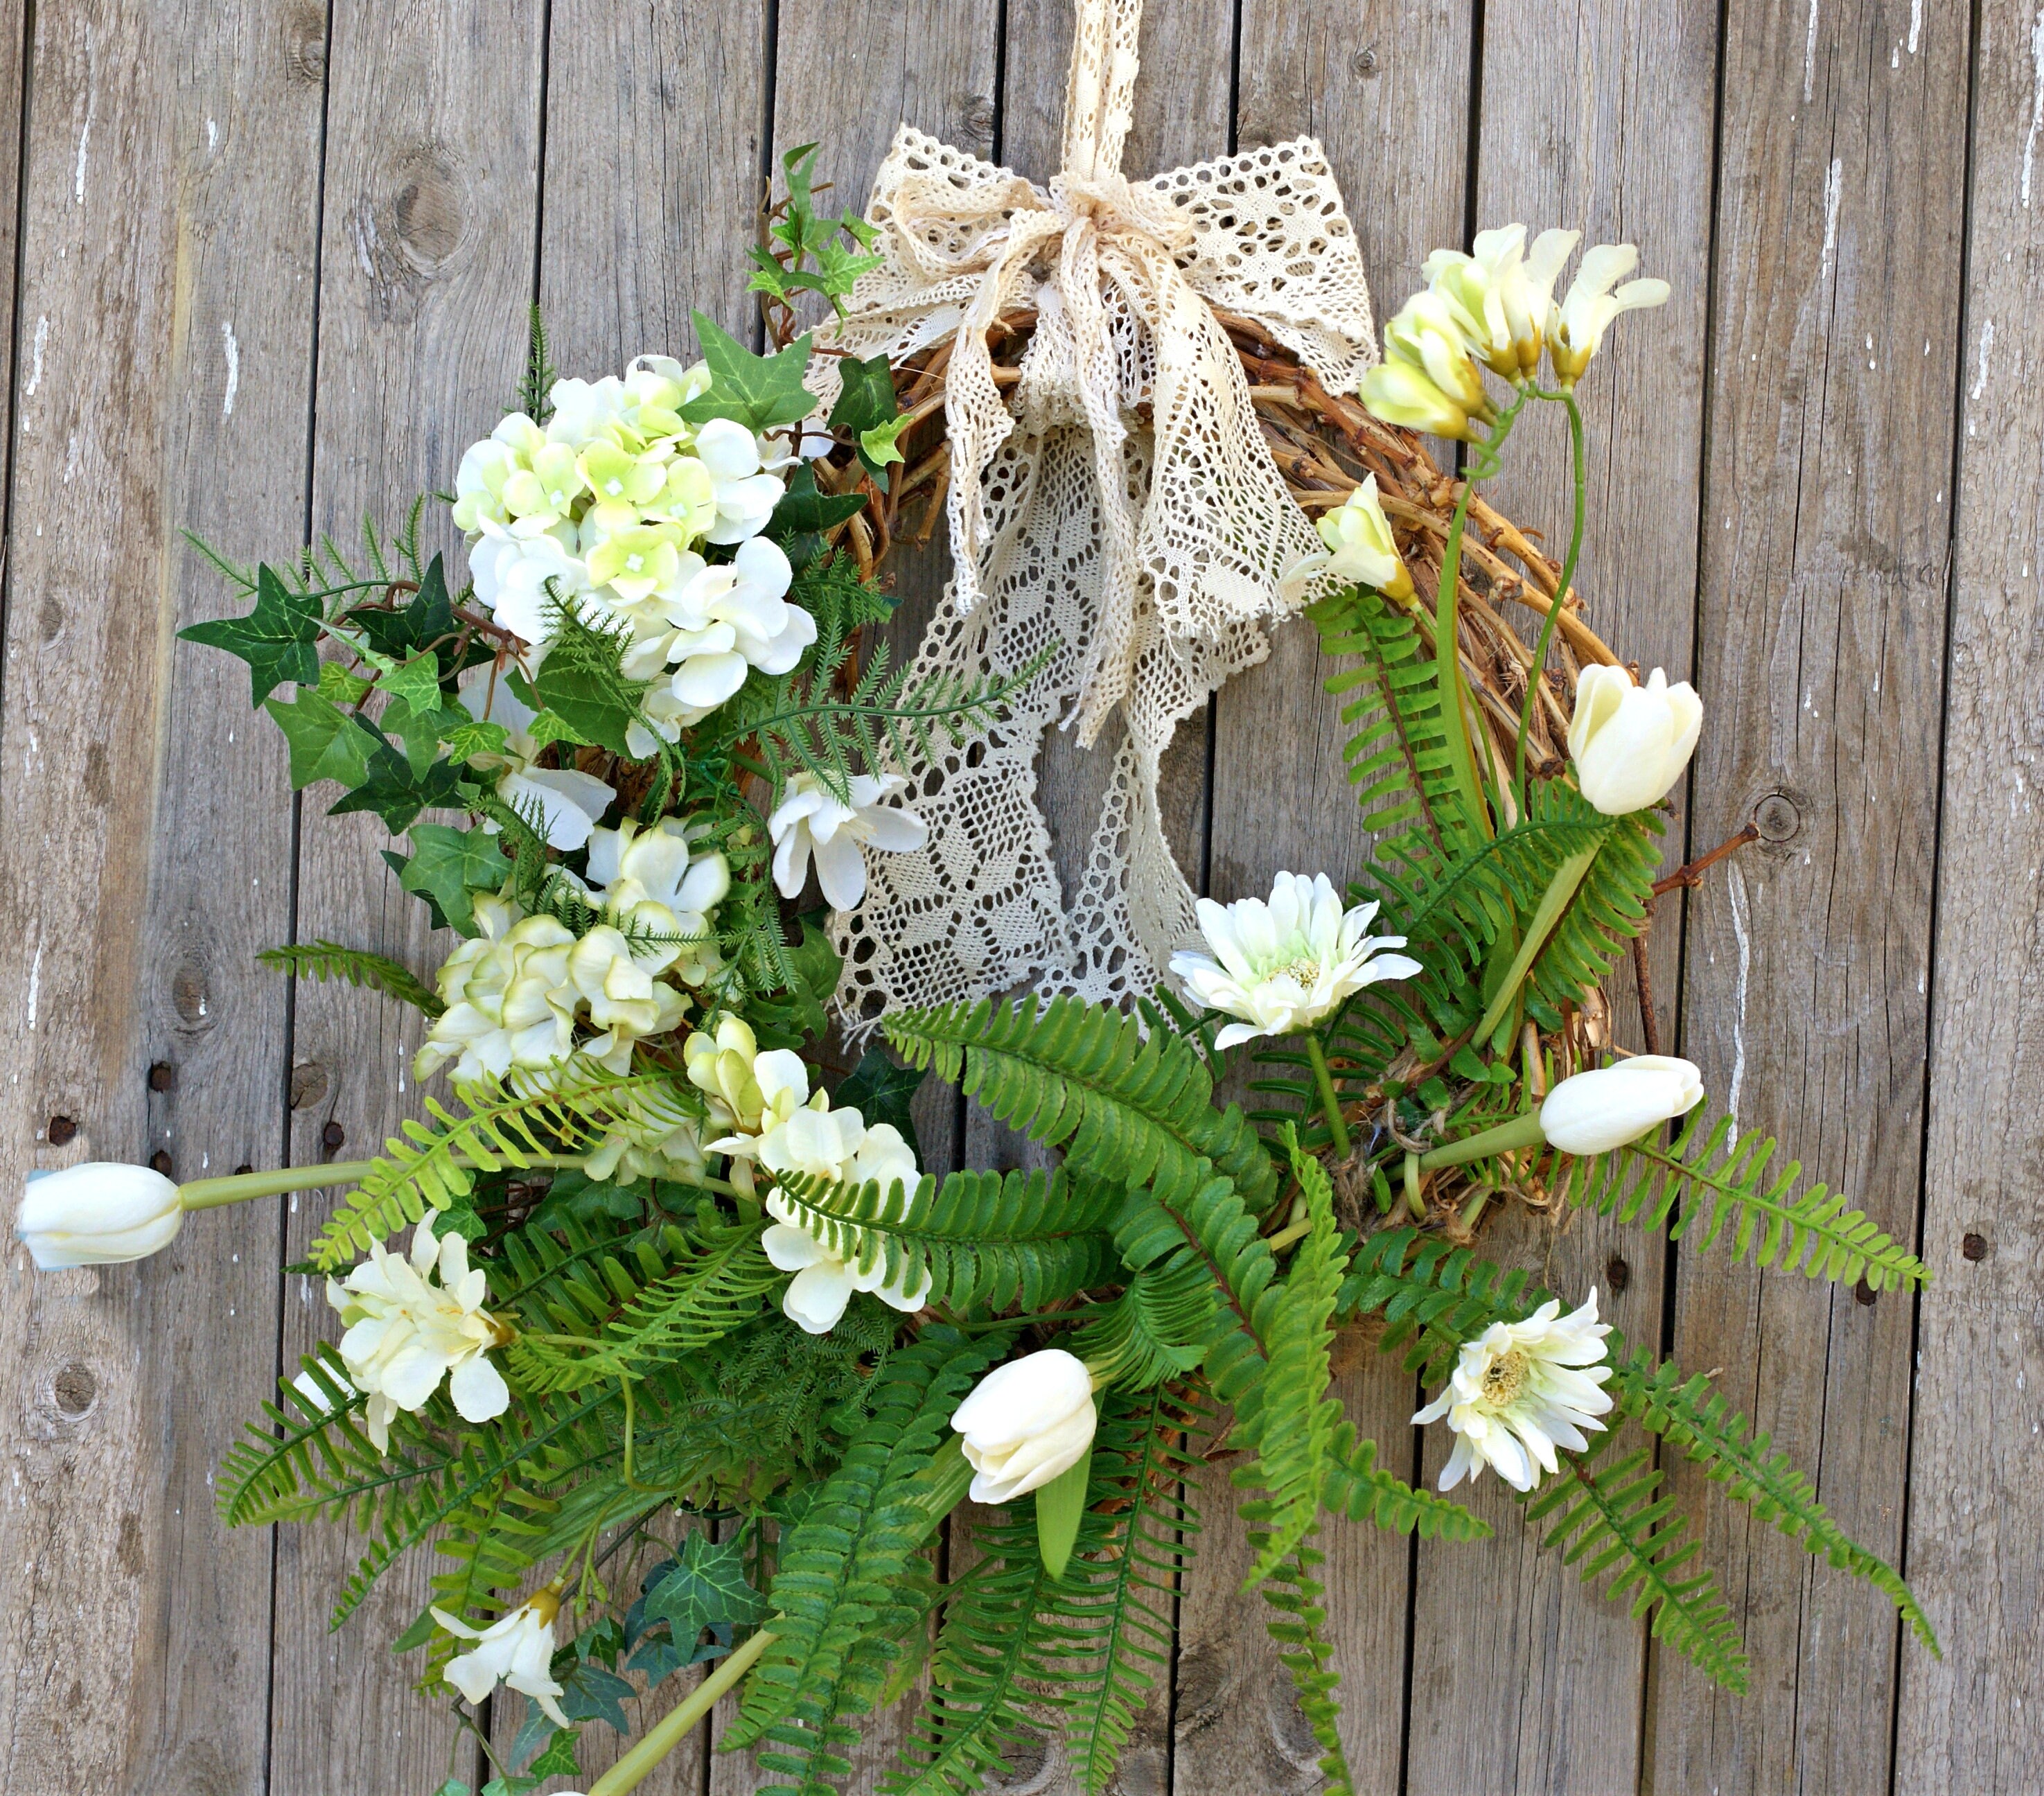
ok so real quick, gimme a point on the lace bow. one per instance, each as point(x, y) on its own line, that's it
point(1146, 551)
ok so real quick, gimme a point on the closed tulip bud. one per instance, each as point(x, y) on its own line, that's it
point(101, 1213)
point(1025, 1423)
point(1630, 743)
point(1597, 1111)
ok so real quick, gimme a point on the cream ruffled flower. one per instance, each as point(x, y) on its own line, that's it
point(723, 1063)
point(412, 1321)
point(1281, 965)
point(810, 820)
point(658, 880)
point(569, 803)
point(517, 993)
point(518, 1649)
point(1520, 1390)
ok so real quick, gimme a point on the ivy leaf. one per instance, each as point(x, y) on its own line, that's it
point(343, 687)
point(877, 446)
point(819, 966)
point(326, 742)
point(416, 683)
point(550, 726)
point(428, 619)
point(882, 1091)
point(277, 638)
point(588, 1693)
point(559, 1759)
point(587, 700)
point(447, 864)
point(454, 1786)
point(470, 736)
point(419, 731)
point(705, 1587)
point(396, 794)
point(865, 402)
point(574, 1197)
point(803, 509)
point(758, 391)
point(510, 1786)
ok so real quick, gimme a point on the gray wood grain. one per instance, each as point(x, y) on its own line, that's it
point(166, 303)
point(1598, 118)
point(1975, 1721)
point(1820, 639)
point(431, 181)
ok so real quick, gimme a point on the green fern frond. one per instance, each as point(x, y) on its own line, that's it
point(839, 1563)
point(713, 1288)
point(1356, 1487)
point(1611, 1520)
point(327, 960)
point(291, 1465)
point(984, 1238)
point(1156, 1331)
point(1083, 1077)
point(1720, 1180)
point(526, 1120)
point(1304, 1649)
point(1698, 1420)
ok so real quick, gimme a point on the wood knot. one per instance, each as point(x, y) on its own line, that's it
point(1362, 63)
point(975, 118)
point(428, 211)
point(74, 1390)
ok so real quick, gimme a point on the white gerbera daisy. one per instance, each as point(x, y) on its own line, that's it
point(1282, 966)
point(1520, 1390)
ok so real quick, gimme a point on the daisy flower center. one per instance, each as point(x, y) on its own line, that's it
point(1505, 1377)
point(1305, 971)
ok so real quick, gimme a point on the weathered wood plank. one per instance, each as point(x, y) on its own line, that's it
point(13, 48)
point(1820, 655)
point(1975, 1521)
point(432, 181)
point(171, 163)
point(1386, 92)
point(1608, 131)
point(654, 120)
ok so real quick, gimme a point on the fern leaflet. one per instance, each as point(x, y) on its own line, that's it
point(327, 960)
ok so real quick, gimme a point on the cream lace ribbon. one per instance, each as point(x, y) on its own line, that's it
point(1147, 558)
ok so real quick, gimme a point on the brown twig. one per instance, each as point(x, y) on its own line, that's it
point(1650, 1024)
point(1692, 875)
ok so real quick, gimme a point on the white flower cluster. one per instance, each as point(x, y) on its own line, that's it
point(414, 1321)
point(776, 1121)
point(606, 507)
point(1497, 307)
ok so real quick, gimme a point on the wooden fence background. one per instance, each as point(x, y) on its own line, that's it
point(269, 262)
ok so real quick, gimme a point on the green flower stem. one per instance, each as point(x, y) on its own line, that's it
point(1580, 468)
point(209, 1194)
point(1330, 1104)
point(1561, 888)
point(1520, 1131)
point(679, 1723)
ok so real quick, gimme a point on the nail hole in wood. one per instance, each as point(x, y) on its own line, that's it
point(162, 1076)
point(331, 1136)
point(161, 1161)
point(59, 1129)
point(1617, 1274)
point(1974, 1247)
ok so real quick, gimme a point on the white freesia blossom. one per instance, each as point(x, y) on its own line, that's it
point(1630, 743)
point(1500, 295)
point(1520, 1390)
point(1576, 327)
point(1425, 334)
point(1025, 1423)
point(820, 1142)
point(1608, 1106)
point(569, 803)
point(414, 1321)
point(100, 1213)
point(1360, 546)
point(810, 819)
point(1281, 965)
point(517, 993)
point(657, 880)
point(1399, 392)
point(517, 1649)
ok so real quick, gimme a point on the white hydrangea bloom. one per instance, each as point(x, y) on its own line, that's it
point(1280, 966)
point(569, 802)
point(809, 820)
point(1520, 1390)
point(517, 1649)
point(745, 495)
point(414, 1321)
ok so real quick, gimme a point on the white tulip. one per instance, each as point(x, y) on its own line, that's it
point(518, 1649)
point(1025, 1423)
point(1281, 965)
point(1576, 327)
point(567, 802)
point(1360, 546)
point(416, 1319)
point(810, 819)
point(1517, 1393)
point(1630, 743)
point(1605, 1108)
point(101, 1213)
